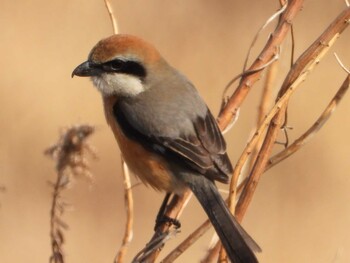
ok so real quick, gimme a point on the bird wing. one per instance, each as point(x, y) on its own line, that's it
point(203, 150)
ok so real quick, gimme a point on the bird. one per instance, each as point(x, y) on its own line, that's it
point(166, 133)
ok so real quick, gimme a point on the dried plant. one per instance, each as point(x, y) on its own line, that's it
point(70, 154)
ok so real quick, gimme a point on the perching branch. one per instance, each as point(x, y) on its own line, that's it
point(191, 239)
point(162, 233)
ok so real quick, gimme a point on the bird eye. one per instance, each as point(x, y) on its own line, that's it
point(114, 65)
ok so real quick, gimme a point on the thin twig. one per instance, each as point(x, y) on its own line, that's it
point(252, 143)
point(243, 74)
point(292, 52)
point(231, 124)
point(265, 104)
point(129, 207)
point(111, 16)
point(311, 132)
point(341, 64)
point(247, 81)
point(268, 21)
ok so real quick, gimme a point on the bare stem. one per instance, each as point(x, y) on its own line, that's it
point(266, 54)
point(311, 132)
point(111, 16)
point(129, 207)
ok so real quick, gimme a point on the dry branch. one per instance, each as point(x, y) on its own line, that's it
point(275, 40)
point(129, 207)
point(111, 16)
point(265, 104)
point(268, 21)
point(311, 132)
point(302, 67)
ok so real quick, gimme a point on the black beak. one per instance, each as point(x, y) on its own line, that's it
point(87, 69)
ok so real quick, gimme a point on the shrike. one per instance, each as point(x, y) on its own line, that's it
point(165, 131)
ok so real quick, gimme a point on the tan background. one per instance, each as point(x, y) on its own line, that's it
point(301, 210)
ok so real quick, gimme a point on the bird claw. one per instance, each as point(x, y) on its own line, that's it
point(167, 220)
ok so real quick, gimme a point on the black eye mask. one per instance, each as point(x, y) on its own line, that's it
point(128, 67)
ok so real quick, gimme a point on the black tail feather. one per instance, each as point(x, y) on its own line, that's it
point(226, 226)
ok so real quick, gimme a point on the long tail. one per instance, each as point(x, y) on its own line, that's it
point(238, 244)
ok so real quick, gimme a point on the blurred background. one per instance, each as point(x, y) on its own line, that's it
point(300, 212)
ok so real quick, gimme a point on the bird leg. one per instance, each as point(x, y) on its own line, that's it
point(162, 218)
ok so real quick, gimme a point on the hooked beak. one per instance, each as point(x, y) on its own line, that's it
point(87, 69)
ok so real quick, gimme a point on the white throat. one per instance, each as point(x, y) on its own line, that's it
point(118, 84)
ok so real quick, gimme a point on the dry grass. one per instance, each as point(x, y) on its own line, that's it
point(70, 154)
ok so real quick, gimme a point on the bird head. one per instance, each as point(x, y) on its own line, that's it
point(121, 65)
